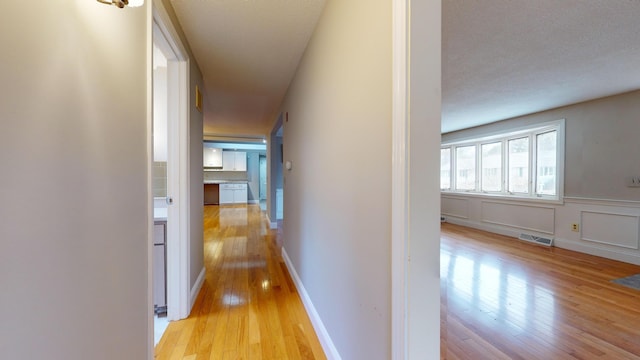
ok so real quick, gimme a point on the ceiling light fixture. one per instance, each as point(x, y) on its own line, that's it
point(123, 3)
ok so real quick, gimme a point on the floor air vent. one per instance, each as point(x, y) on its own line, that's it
point(536, 239)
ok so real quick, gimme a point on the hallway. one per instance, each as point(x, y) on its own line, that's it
point(248, 307)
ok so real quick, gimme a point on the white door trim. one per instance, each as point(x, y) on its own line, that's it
point(178, 290)
point(415, 213)
point(399, 199)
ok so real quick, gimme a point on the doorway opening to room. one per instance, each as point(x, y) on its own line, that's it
point(232, 172)
point(169, 267)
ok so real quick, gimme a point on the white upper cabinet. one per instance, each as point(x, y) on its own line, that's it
point(212, 158)
point(234, 161)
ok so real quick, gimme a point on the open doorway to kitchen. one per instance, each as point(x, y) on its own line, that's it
point(232, 173)
point(169, 263)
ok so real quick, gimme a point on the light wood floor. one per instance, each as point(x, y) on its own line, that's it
point(501, 299)
point(507, 299)
point(248, 307)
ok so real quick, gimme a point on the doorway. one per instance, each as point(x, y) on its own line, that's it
point(262, 163)
point(169, 261)
point(275, 198)
point(161, 197)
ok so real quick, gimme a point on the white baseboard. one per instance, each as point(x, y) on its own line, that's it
point(325, 340)
point(272, 224)
point(596, 251)
point(195, 290)
point(502, 230)
point(253, 201)
point(558, 242)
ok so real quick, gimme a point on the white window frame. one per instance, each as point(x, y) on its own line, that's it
point(531, 132)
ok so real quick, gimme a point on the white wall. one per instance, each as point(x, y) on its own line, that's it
point(160, 137)
point(337, 197)
point(601, 147)
point(74, 244)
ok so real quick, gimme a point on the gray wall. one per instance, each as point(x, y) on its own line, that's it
point(196, 190)
point(74, 243)
point(337, 198)
point(253, 175)
point(602, 144)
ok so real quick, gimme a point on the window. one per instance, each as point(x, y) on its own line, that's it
point(466, 168)
point(445, 168)
point(522, 163)
point(491, 158)
point(546, 148)
point(519, 165)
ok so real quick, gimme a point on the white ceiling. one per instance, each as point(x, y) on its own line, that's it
point(248, 52)
point(501, 58)
point(506, 58)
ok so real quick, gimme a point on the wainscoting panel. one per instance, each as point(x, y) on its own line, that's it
point(539, 219)
point(455, 207)
point(609, 228)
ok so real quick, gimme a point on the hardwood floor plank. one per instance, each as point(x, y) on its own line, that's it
point(504, 296)
point(248, 307)
point(500, 299)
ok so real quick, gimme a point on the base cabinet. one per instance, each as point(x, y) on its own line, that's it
point(160, 267)
point(211, 194)
point(233, 194)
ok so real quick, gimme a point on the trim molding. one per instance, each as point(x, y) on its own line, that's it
point(636, 244)
point(178, 287)
point(502, 230)
point(582, 247)
point(597, 251)
point(272, 224)
point(595, 201)
point(399, 178)
point(195, 290)
point(325, 340)
point(484, 219)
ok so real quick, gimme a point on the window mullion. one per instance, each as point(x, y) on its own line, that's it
point(478, 167)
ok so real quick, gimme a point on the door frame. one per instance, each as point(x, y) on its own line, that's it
point(178, 262)
point(415, 212)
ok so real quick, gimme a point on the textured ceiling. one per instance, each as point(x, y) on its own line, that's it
point(501, 58)
point(506, 58)
point(248, 52)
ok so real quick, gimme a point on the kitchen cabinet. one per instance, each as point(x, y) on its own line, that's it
point(159, 266)
point(233, 194)
point(234, 161)
point(212, 158)
point(211, 194)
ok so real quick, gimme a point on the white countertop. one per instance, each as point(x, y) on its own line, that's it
point(207, 182)
point(160, 214)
